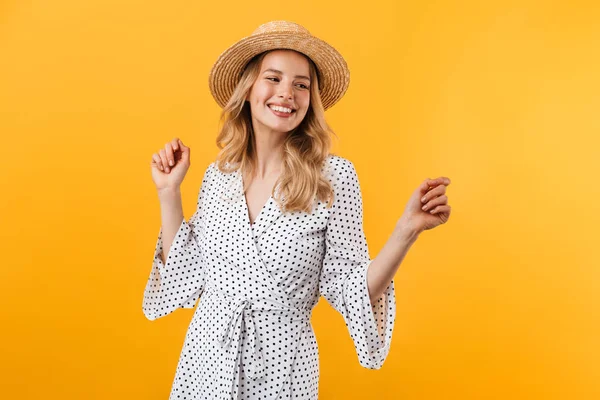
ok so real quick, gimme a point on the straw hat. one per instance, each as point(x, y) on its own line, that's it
point(334, 75)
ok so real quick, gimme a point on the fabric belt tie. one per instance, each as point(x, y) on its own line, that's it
point(243, 310)
point(241, 313)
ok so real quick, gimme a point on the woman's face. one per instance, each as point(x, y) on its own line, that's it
point(284, 80)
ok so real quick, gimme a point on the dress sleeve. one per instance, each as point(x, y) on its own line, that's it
point(343, 280)
point(179, 282)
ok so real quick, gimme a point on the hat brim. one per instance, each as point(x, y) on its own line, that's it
point(333, 69)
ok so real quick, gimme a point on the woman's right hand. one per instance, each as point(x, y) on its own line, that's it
point(165, 175)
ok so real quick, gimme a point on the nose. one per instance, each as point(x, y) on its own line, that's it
point(286, 92)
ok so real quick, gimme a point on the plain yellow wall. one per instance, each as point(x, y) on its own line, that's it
point(502, 97)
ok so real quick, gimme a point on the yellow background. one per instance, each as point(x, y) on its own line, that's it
point(503, 97)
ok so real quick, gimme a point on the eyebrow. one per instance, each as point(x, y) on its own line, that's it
point(281, 73)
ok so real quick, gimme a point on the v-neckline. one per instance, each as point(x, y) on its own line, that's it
point(262, 210)
point(260, 213)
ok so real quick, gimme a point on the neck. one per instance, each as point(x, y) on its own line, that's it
point(269, 153)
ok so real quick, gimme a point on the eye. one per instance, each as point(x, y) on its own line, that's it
point(303, 86)
point(272, 78)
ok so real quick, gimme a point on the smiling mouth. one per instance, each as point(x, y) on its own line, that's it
point(281, 114)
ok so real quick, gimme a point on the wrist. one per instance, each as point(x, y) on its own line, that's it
point(169, 192)
point(405, 231)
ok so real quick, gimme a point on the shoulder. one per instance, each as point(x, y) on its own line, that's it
point(212, 175)
point(222, 184)
point(337, 168)
point(209, 173)
point(213, 172)
point(213, 169)
point(333, 160)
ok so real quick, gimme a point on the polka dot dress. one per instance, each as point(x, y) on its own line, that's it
point(251, 335)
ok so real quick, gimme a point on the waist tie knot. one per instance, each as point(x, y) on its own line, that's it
point(240, 313)
point(243, 311)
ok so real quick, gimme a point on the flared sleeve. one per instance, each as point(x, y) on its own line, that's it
point(179, 282)
point(343, 279)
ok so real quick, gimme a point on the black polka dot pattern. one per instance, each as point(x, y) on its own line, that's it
point(251, 336)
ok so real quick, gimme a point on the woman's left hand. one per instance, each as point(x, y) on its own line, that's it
point(431, 194)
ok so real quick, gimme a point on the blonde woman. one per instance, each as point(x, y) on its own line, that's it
point(278, 223)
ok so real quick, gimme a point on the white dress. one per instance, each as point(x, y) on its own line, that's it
point(251, 336)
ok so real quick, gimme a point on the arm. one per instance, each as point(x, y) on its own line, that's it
point(432, 194)
point(343, 279)
point(171, 211)
point(382, 269)
point(177, 276)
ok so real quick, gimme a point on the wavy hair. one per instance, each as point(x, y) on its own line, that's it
point(305, 147)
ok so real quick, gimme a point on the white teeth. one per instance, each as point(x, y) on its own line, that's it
point(281, 109)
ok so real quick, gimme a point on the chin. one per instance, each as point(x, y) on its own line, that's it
point(283, 130)
point(283, 126)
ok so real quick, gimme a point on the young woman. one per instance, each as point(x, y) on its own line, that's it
point(278, 224)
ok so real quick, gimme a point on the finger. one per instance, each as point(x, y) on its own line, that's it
point(185, 151)
point(176, 150)
point(163, 159)
point(431, 204)
point(182, 146)
point(430, 184)
point(433, 193)
point(169, 152)
point(425, 186)
point(157, 161)
point(439, 181)
point(442, 208)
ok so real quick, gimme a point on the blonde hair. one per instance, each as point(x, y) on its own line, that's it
point(305, 148)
